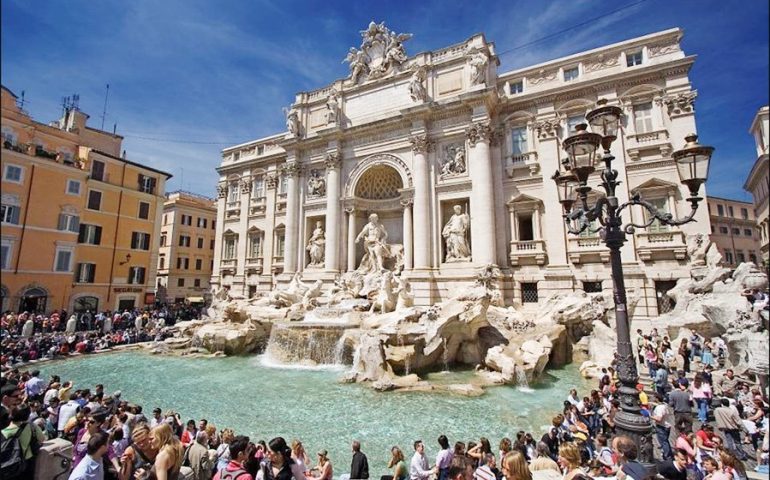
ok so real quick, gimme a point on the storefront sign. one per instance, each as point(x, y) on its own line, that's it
point(127, 290)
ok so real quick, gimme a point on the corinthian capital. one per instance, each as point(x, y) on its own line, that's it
point(421, 144)
point(333, 160)
point(478, 132)
point(221, 190)
point(291, 169)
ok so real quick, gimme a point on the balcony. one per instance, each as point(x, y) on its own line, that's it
point(257, 206)
point(254, 265)
point(38, 151)
point(233, 209)
point(523, 162)
point(661, 245)
point(228, 266)
point(655, 143)
point(527, 252)
point(587, 250)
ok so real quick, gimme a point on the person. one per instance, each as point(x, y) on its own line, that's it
point(235, 469)
point(679, 400)
point(170, 453)
point(551, 440)
point(712, 471)
point(188, 436)
point(728, 383)
point(732, 466)
point(156, 417)
point(701, 394)
point(223, 450)
point(139, 455)
point(91, 467)
point(480, 451)
point(676, 468)
point(299, 455)
point(30, 436)
point(605, 460)
point(419, 469)
point(731, 425)
point(197, 457)
point(278, 465)
point(324, 467)
point(684, 353)
point(461, 469)
point(444, 457)
point(661, 379)
point(543, 460)
point(627, 451)
point(359, 466)
point(705, 440)
point(514, 466)
point(661, 416)
point(34, 388)
point(397, 463)
point(570, 460)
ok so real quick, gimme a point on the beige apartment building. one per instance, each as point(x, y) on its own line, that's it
point(733, 230)
point(186, 253)
point(758, 181)
point(80, 222)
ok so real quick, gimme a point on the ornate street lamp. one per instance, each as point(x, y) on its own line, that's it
point(692, 164)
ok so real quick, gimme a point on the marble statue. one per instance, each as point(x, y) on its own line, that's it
point(375, 246)
point(72, 324)
point(316, 246)
point(309, 298)
point(293, 293)
point(417, 85)
point(381, 51)
point(29, 328)
point(316, 184)
point(478, 61)
point(454, 161)
point(292, 121)
point(359, 64)
point(697, 245)
point(405, 298)
point(332, 107)
point(455, 233)
point(385, 298)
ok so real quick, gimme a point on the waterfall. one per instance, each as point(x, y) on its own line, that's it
point(445, 355)
point(300, 346)
point(522, 383)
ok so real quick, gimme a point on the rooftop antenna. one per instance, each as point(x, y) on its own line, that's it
point(65, 101)
point(75, 101)
point(22, 101)
point(114, 128)
point(104, 110)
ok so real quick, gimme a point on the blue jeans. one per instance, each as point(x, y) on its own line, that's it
point(663, 434)
point(703, 408)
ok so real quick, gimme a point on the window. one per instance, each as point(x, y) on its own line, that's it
point(661, 204)
point(730, 211)
point(97, 170)
point(198, 264)
point(529, 293)
point(140, 241)
point(144, 210)
point(233, 193)
point(280, 241)
point(519, 140)
point(162, 263)
point(9, 137)
point(229, 248)
point(94, 200)
point(73, 187)
point(643, 117)
point(634, 58)
point(136, 275)
point(259, 187)
point(9, 213)
point(573, 121)
point(202, 222)
point(165, 219)
point(68, 223)
point(147, 184)
point(255, 245)
point(163, 240)
point(12, 173)
point(211, 244)
point(213, 224)
point(571, 74)
point(526, 232)
point(752, 258)
point(63, 262)
point(6, 249)
point(721, 210)
point(745, 213)
point(729, 256)
point(283, 186)
point(723, 230)
point(517, 87)
point(200, 242)
point(91, 234)
point(85, 273)
point(740, 256)
point(180, 282)
point(197, 282)
point(184, 240)
point(186, 220)
point(182, 262)
point(748, 232)
point(592, 287)
point(736, 231)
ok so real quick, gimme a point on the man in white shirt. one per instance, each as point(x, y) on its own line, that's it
point(53, 391)
point(419, 468)
point(92, 466)
point(67, 411)
point(662, 416)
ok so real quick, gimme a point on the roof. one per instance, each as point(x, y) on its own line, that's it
point(9, 91)
point(136, 164)
point(712, 197)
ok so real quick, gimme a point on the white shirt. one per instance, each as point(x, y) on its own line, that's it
point(88, 469)
point(661, 410)
point(51, 393)
point(419, 468)
point(67, 411)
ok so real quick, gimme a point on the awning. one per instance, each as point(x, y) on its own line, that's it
point(195, 299)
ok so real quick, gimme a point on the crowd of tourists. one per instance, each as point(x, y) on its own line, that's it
point(116, 439)
point(26, 336)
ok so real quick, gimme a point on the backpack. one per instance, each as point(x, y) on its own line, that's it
point(225, 475)
point(12, 462)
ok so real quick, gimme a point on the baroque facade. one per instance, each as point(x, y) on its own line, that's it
point(456, 160)
point(758, 181)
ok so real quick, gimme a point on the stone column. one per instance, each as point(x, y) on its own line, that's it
point(536, 224)
point(332, 252)
point(549, 154)
point(408, 243)
point(482, 195)
point(421, 145)
point(221, 201)
point(351, 238)
point(291, 170)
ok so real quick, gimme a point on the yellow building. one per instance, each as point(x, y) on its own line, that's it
point(733, 230)
point(80, 224)
point(186, 253)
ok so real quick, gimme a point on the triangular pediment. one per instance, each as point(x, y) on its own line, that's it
point(655, 183)
point(524, 198)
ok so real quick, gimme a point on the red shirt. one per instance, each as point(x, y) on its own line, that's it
point(232, 467)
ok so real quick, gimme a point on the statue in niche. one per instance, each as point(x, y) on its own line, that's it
point(478, 61)
point(454, 161)
point(417, 85)
point(316, 184)
point(375, 246)
point(332, 107)
point(455, 235)
point(292, 121)
point(316, 246)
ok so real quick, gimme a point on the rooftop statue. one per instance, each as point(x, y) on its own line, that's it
point(380, 52)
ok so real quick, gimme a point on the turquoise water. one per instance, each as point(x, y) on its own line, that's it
point(263, 402)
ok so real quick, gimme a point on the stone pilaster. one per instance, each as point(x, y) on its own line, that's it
point(483, 241)
point(292, 171)
point(333, 212)
point(408, 229)
point(421, 145)
point(351, 238)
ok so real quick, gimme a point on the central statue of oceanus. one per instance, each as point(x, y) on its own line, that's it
point(377, 253)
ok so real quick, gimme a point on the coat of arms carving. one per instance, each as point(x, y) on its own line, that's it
point(381, 52)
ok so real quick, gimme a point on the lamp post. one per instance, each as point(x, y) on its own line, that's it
point(582, 150)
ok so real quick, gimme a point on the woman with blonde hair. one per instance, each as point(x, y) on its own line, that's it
point(570, 460)
point(299, 455)
point(223, 450)
point(139, 455)
point(324, 467)
point(397, 463)
point(170, 453)
point(515, 467)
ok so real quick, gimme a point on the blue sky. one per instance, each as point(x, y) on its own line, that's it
point(188, 77)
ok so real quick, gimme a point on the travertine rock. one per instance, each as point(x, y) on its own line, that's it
point(232, 338)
